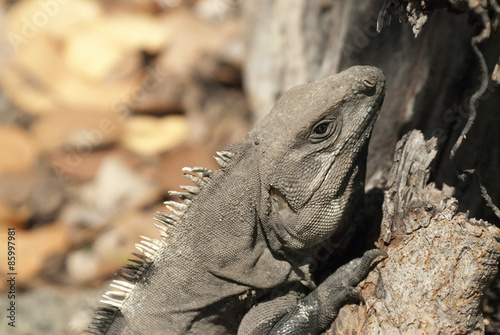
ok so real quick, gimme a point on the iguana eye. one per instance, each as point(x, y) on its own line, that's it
point(322, 130)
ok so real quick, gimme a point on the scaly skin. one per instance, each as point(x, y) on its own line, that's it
point(235, 256)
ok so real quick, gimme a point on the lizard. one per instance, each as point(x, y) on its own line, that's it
point(235, 252)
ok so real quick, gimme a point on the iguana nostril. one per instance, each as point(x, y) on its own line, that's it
point(369, 83)
point(364, 85)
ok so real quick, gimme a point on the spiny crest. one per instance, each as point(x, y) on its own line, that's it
point(200, 176)
point(224, 158)
point(114, 298)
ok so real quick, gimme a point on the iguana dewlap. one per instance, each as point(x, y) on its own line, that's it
point(234, 255)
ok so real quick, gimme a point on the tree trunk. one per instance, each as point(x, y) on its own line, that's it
point(439, 260)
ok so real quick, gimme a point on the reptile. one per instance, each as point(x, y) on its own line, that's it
point(236, 252)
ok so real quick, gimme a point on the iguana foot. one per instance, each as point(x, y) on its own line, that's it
point(355, 271)
point(338, 289)
point(317, 311)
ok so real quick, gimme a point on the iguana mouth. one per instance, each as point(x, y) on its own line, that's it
point(367, 121)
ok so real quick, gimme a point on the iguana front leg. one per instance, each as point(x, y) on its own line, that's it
point(315, 313)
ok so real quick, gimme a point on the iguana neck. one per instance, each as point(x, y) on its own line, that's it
point(230, 205)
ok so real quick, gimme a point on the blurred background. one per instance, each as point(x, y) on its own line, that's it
point(101, 105)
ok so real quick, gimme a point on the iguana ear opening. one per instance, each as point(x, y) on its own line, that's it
point(279, 200)
point(282, 223)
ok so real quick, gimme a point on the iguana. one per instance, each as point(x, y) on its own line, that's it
point(235, 254)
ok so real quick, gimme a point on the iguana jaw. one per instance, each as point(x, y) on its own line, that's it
point(295, 240)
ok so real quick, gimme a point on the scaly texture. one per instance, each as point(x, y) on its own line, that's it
point(235, 255)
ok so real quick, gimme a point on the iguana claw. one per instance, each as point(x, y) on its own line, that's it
point(317, 311)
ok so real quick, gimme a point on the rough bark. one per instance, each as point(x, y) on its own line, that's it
point(440, 262)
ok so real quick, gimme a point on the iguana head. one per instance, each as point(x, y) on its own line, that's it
point(312, 149)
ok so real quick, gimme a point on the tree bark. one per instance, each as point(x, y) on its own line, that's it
point(439, 264)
